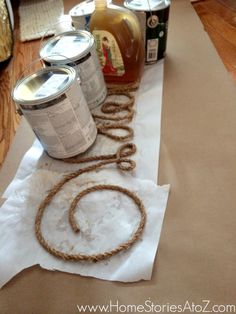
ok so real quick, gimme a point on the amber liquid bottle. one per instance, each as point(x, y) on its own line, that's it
point(118, 42)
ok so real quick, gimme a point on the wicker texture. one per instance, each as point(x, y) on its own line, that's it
point(38, 17)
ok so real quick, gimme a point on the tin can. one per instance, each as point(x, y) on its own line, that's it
point(81, 14)
point(153, 16)
point(53, 103)
point(77, 49)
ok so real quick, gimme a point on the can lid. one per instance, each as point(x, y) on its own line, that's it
point(67, 47)
point(83, 9)
point(140, 5)
point(43, 85)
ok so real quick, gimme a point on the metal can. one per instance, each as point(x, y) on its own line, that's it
point(81, 14)
point(77, 49)
point(153, 16)
point(53, 103)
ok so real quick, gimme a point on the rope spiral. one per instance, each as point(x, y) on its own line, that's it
point(95, 257)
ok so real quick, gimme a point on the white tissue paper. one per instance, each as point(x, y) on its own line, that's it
point(106, 219)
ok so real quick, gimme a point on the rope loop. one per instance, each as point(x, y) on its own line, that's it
point(126, 164)
point(126, 150)
point(111, 107)
point(105, 130)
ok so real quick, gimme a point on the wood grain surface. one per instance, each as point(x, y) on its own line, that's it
point(217, 16)
point(219, 20)
point(23, 54)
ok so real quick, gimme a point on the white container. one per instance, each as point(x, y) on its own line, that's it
point(54, 105)
point(81, 13)
point(77, 49)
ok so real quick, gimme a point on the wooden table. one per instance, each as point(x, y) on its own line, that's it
point(219, 20)
point(196, 255)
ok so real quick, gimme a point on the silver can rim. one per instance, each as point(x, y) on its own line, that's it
point(161, 6)
point(71, 59)
point(66, 69)
point(73, 14)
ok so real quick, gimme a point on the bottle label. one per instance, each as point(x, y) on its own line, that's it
point(152, 49)
point(109, 53)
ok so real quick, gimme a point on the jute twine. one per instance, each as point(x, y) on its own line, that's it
point(111, 108)
point(122, 163)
